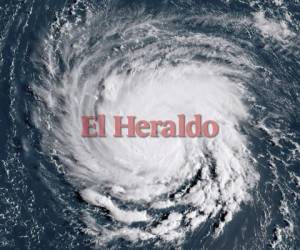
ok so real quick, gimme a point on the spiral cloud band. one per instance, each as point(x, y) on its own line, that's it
point(151, 67)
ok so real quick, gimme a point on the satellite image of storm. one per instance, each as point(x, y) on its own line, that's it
point(150, 124)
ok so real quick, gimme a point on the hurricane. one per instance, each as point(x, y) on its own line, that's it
point(234, 62)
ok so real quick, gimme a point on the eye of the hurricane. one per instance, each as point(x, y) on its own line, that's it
point(151, 74)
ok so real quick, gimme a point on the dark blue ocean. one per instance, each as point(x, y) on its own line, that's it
point(234, 61)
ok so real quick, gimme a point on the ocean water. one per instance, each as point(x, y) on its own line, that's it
point(237, 62)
